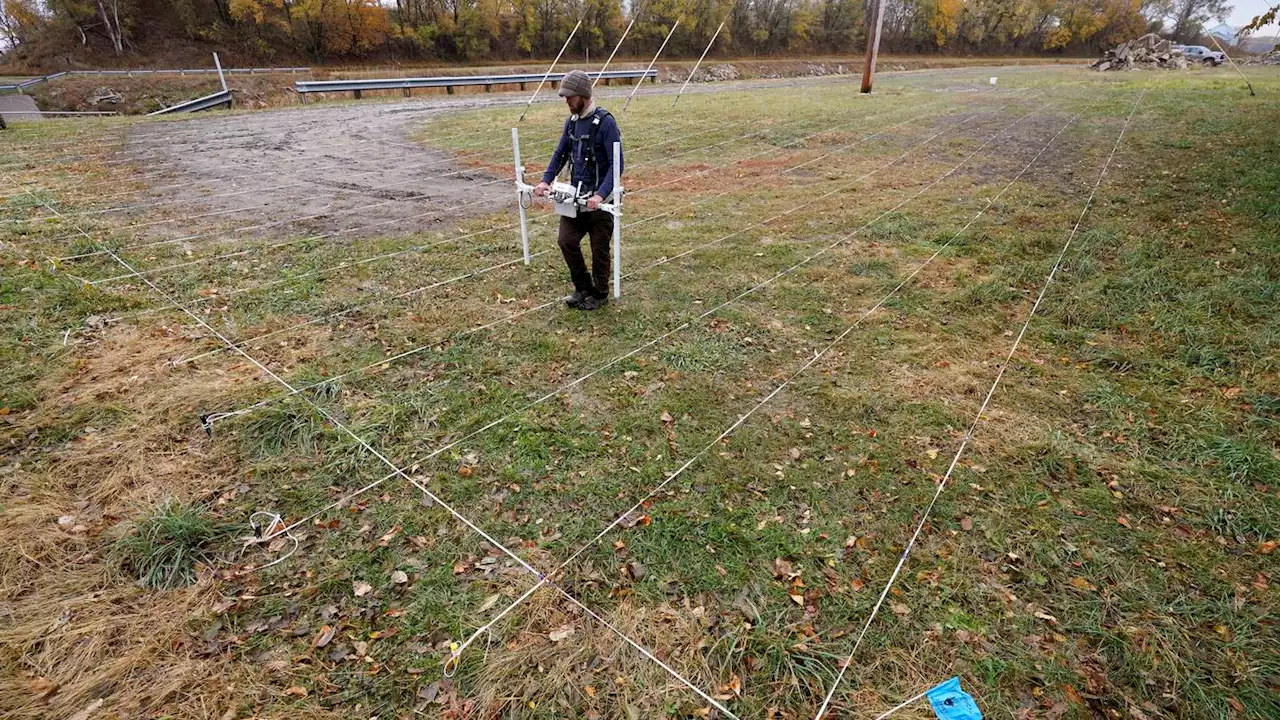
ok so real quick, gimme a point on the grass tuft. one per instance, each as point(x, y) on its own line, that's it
point(166, 545)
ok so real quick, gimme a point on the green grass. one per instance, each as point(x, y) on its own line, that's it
point(164, 546)
point(1102, 545)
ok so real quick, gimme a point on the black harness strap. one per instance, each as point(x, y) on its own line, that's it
point(593, 140)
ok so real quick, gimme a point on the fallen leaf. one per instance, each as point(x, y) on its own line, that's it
point(899, 609)
point(1046, 617)
point(590, 690)
point(563, 633)
point(1235, 704)
point(490, 601)
point(857, 585)
point(399, 577)
point(1072, 695)
point(391, 534)
point(43, 686)
point(466, 471)
point(361, 588)
point(1268, 547)
point(797, 599)
point(666, 417)
point(966, 524)
point(428, 693)
point(326, 634)
point(782, 569)
point(1231, 392)
point(297, 691)
point(636, 570)
point(1124, 520)
point(1082, 584)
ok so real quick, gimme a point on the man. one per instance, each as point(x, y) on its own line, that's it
point(587, 143)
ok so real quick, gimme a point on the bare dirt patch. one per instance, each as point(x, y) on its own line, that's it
point(350, 168)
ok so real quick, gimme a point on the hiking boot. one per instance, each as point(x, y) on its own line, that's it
point(593, 302)
point(576, 299)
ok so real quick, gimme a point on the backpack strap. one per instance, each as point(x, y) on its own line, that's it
point(597, 117)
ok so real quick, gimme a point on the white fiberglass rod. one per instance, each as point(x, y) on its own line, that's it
point(617, 220)
point(699, 64)
point(670, 32)
point(524, 218)
point(550, 69)
point(615, 52)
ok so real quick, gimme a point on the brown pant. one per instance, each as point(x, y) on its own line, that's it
point(599, 225)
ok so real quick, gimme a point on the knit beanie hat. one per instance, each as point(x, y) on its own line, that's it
point(576, 83)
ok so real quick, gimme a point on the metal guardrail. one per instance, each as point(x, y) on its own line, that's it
point(222, 97)
point(201, 71)
point(304, 87)
point(19, 87)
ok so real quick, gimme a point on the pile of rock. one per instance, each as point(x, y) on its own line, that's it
point(1149, 51)
point(1271, 58)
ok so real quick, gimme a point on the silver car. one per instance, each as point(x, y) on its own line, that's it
point(1200, 53)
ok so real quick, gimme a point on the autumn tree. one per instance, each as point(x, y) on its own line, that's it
point(1190, 16)
point(18, 20)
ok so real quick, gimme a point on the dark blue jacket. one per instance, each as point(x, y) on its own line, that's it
point(596, 177)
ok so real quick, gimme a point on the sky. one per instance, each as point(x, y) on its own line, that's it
point(1245, 10)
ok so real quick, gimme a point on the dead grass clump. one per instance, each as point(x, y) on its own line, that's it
point(75, 632)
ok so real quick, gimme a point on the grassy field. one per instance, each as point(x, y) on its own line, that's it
point(720, 471)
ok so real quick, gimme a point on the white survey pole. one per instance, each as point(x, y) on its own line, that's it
point(550, 69)
point(221, 77)
point(520, 191)
point(617, 220)
point(698, 64)
point(615, 52)
point(651, 64)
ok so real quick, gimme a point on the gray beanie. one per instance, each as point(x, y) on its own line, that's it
point(576, 83)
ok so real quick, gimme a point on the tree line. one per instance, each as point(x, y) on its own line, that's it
point(267, 31)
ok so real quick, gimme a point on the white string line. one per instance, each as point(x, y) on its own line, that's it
point(146, 152)
point(562, 389)
point(743, 418)
point(428, 139)
point(401, 473)
point(417, 248)
point(642, 148)
point(378, 138)
point(393, 105)
point(381, 300)
point(254, 340)
point(802, 82)
point(341, 166)
point(795, 208)
point(543, 580)
point(273, 246)
point(334, 214)
point(901, 705)
point(149, 176)
point(977, 418)
point(738, 87)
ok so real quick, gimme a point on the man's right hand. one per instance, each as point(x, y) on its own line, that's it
point(541, 189)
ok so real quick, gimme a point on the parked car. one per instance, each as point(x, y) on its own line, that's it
point(1200, 53)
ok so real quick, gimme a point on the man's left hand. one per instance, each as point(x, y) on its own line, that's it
point(593, 202)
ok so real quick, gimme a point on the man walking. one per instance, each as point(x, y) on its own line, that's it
point(587, 143)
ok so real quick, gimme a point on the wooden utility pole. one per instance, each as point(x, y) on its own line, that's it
point(873, 46)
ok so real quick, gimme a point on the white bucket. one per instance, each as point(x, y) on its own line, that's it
point(993, 81)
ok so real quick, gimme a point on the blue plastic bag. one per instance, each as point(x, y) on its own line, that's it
point(949, 702)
